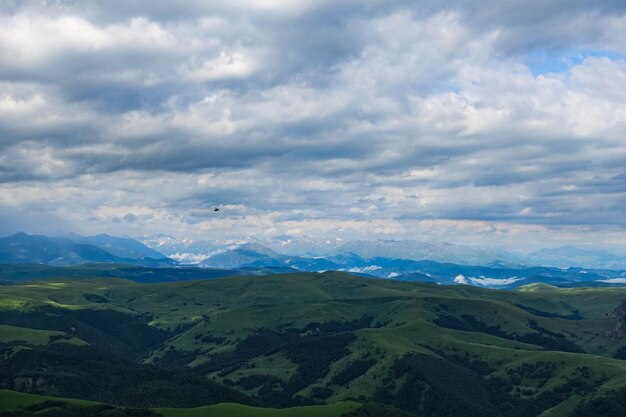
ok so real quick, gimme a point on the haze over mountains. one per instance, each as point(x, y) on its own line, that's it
point(198, 251)
point(441, 263)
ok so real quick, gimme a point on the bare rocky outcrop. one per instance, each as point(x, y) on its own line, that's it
point(29, 384)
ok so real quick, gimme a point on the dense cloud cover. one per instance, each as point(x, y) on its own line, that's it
point(485, 122)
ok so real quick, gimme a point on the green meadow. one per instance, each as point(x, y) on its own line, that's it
point(310, 344)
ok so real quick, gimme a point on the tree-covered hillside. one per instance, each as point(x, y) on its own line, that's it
point(359, 346)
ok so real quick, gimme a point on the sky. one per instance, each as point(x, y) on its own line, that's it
point(489, 123)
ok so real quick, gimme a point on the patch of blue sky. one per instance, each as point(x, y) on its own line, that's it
point(546, 61)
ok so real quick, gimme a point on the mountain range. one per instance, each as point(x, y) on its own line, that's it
point(75, 249)
point(494, 274)
point(194, 251)
point(251, 258)
point(570, 256)
point(191, 251)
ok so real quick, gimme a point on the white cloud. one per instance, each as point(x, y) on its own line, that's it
point(485, 282)
point(493, 282)
point(460, 279)
point(393, 121)
point(614, 280)
point(31, 39)
point(227, 65)
point(188, 258)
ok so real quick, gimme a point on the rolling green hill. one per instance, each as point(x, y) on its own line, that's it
point(303, 340)
point(16, 273)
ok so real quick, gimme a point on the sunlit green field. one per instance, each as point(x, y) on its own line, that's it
point(236, 410)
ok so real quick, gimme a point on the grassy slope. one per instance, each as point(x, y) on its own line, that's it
point(12, 400)
point(237, 410)
point(234, 308)
point(15, 273)
point(35, 337)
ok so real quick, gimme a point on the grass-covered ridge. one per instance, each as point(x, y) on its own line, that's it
point(303, 339)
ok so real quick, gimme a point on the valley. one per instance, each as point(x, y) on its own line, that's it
point(312, 208)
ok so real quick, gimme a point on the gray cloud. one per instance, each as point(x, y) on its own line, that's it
point(451, 120)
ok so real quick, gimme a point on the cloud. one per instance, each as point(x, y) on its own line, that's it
point(493, 282)
point(438, 120)
point(484, 281)
point(613, 280)
point(460, 279)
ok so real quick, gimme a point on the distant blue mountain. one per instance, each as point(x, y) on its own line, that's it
point(244, 255)
point(413, 250)
point(493, 275)
point(254, 255)
point(119, 246)
point(25, 248)
point(568, 256)
point(194, 251)
point(508, 278)
point(336, 250)
point(254, 258)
